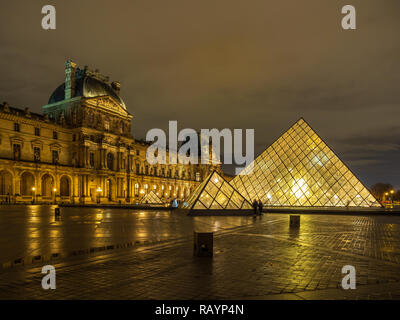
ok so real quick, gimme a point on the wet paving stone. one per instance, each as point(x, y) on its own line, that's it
point(258, 258)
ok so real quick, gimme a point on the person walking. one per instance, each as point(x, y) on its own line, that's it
point(255, 206)
point(260, 206)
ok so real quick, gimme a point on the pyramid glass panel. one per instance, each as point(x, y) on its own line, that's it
point(299, 169)
point(215, 193)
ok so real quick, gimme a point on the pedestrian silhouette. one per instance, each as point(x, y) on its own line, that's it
point(260, 206)
point(255, 206)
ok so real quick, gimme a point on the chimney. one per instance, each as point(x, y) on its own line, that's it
point(6, 107)
point(70, 68)
point(116, 86)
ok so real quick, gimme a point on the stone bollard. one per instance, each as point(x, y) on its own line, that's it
point(294, 221)
point(203, 244)
point(57, 212)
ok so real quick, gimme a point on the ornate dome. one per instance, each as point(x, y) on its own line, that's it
point(87, 86)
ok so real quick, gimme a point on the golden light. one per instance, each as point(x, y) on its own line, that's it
point(54, 189)
point(99, 189)
point(391, 191)
point(33, 188)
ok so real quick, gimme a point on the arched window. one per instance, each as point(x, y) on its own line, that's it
point(27, 184)
point(5, 183)
point(64, 187)
point(47, 185)
point(110, 161)
point(122, 127)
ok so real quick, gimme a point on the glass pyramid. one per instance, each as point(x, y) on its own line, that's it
point(215, 193)
point(300, 170)
point(151, 198)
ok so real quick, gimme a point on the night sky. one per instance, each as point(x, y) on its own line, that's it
point(258, 64)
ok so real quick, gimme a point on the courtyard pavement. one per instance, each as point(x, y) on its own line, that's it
point(254, 258)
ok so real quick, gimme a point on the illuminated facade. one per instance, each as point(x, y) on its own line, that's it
point(300, 170)
point(215, 193)
point(81, 150)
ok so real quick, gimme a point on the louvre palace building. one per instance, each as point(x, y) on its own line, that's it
point(80, 150)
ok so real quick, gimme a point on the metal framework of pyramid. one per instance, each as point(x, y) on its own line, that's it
point(215, 193)
point(151, 198)
point(300, 170)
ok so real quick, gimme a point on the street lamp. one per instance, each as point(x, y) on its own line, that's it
point(34, 194)
point(55, 197)
point(98, 190)
point(391, 195)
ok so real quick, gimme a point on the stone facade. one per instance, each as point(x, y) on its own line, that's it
point(81, 150)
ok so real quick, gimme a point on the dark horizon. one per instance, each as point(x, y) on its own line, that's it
point(260, 65)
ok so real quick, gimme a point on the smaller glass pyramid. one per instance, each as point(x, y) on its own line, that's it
point(151, 198)
point(215, 193)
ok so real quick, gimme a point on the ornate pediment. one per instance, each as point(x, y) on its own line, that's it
point(37, 143)
point(56, 147)
point(16, 140)
point(108, 103)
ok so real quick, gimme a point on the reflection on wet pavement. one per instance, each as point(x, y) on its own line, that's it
point(34, 230)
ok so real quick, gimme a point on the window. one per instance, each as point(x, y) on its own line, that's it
point(16, 127)
point(91, 159)
point(146, 170)
point(54, 156)
point(106, 124)
point(17, 152)
point(137, 152)
point(121, 127)
point(36, 154)
point(136, 189)
point(110, 161)
point(55, 135)
point(91, 118)
point(197, 176)
point(137, 168)
point(37, 132)
point(163, 172)
point(74, 137)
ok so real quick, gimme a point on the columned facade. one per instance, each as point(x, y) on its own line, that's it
point(80, 150)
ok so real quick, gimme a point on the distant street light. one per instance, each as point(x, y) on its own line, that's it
point(34, 194)
point(391, 195)
point(98, 190)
